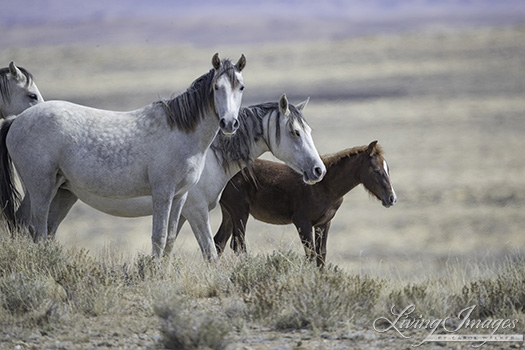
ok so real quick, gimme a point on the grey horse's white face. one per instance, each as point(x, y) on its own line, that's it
point(21, 94)
point(227, 95)
point(296, 145)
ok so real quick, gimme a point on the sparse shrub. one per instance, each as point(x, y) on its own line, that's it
point(292, 293)
point(32, 273)
point(499, 296)
point(21, 293)
point(183, 327)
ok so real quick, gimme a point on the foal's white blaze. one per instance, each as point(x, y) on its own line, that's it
point(385, 166)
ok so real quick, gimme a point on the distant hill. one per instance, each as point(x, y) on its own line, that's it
point(27, 22)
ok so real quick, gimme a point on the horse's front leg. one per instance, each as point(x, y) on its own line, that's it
point(304, 228)
point(321, 236)
point(162, 205)
point(171, 238)
point(196, 211)
point(173, 228)
point(225, 231)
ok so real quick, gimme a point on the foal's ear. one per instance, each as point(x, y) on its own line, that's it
point(303, 104)
point(283, 105)
point(371, 149)
point(15, 72)
point(216, 61)
point(241, 63)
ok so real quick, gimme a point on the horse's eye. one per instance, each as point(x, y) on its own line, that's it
point(33, 97)
point(297, 133)
point(215, 87)
point(241, 88)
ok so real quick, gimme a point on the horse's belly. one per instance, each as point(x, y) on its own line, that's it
point(270, 216)
point(125, 207)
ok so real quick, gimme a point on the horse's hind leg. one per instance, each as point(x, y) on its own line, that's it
point(23, 214)
point(40, 197)
point(60, 207)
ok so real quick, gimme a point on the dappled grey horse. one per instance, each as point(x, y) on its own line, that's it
point(276, 127)
point(18, 91)
point(64, 151)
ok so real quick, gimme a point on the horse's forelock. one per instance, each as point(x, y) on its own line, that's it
point(229, 69)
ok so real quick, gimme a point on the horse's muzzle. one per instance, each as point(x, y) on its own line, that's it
point(228, 127)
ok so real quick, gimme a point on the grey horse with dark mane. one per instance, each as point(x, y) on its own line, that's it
point(276, 127)
point(86, 153)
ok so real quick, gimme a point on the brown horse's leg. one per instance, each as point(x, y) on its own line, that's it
point(304, 228)
point(238, 242)
point(225, 230)
point(321, 236)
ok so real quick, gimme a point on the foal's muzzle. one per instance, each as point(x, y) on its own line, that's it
point(389, 201)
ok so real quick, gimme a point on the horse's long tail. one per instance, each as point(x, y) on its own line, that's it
point(9, 196)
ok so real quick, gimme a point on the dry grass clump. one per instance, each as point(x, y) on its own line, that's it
point(36, 278)
point(201, 305)
point(188, 327)
point(290, 293)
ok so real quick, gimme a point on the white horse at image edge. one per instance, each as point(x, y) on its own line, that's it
point(18, 91)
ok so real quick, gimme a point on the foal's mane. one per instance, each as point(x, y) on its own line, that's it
point(236, 149)
point(4, 82)
point(333, 159)
point(186, 110)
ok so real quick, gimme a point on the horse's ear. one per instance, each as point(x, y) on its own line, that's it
point(216, 61)
point(283, 105)
point(15, 72)
point(241, 63)
point(371, 149)
point(303, 104)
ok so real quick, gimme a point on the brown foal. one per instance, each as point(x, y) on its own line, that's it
point(276, 194)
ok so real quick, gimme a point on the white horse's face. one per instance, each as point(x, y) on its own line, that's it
point(296, 147)
point(22, 94)
point(227, 95)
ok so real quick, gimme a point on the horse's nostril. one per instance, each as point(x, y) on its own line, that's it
point(392, 199)
point(236, 124)
point(222, 124)
point(318, 171)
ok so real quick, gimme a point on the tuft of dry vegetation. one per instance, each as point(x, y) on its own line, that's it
point(46, 288)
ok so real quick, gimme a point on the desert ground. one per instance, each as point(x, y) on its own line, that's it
point(446, 106)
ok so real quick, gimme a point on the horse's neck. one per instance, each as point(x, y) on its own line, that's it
point(256, 143)
point(342, 176)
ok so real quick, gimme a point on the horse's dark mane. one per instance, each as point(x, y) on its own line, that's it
point(236, 149)
point(332, 159)
point(4, 82)
point(186, 110)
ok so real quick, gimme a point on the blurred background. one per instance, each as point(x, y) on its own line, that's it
point(440, 84)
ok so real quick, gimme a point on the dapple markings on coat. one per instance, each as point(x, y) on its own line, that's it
point(64, 151)
point(276, 127)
